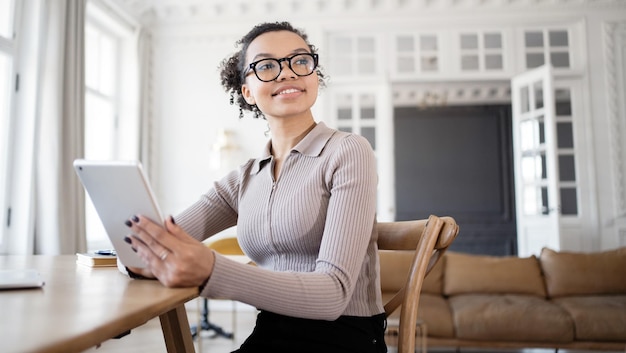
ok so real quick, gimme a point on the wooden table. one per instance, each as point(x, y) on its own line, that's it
point(80, 307)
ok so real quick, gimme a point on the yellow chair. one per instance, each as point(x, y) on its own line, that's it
point(428, 239)
point(224, 246)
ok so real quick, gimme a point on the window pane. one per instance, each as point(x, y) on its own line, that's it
point(559, 59)
point(469, 41)
point(100, 63)
point(6, 18)
point(534, 60)
point(567, 169)
point(493, 41)
point(493, 61)
point(569, 201)
point(544, 201)
point(430, 63)
point(370, 134)
point(368, 113)
point(91, 57)
point(107, 54)
point(538, 91)
point(558, 38)
point(469, 62)
point(532, 134)
point(406, 64)
point(533, 39)
point(532, 168)
point(563, 105)
point(428, 43)
point(525, 99)
point(344, 114)
point(99, 128)
point(564, 135)
point(535, 200)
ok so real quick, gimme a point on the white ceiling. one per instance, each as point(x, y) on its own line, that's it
point(179, 11)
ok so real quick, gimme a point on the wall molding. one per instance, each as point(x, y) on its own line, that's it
point(424, 95)
point(615, 60)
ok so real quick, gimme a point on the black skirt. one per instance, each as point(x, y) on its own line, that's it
point(278, 333)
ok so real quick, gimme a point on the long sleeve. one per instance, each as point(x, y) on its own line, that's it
point(311, 232)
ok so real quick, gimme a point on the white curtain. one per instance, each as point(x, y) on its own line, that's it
point(144, 48)
point(59, 197)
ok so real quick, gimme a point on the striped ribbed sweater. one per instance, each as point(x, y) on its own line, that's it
point(311, 232)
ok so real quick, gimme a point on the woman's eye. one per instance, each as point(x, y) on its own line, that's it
point(263, 66)
point(303, 61)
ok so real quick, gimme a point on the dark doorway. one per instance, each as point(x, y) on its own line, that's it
point(457, 161)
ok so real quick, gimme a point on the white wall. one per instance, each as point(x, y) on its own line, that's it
point(189, 105)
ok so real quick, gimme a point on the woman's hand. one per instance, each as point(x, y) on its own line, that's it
point(171, 255)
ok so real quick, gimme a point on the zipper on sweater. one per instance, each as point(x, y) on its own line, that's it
point(270, 202)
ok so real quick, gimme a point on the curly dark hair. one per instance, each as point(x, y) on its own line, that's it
point(231, 69)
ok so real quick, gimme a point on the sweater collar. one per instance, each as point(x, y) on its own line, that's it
point(311, 145)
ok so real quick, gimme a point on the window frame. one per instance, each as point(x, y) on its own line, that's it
point(125, 140)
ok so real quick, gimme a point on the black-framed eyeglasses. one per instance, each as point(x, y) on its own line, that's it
point(267, 70)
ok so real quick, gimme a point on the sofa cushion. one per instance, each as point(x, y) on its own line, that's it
point(597, 318)
point(481, 274)
point(521, 318)
point(570, 273)
point(433, 310)
point(394, 269)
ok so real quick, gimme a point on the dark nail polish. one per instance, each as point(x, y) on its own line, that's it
point(127, 239)
point(135, 250)
point(128, 223)
point(135, 219)
point(172, 220)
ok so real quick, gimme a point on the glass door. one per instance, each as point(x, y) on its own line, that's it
point(535, 162)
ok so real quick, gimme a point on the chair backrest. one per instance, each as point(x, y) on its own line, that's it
point(429, 239)
point(225, 246)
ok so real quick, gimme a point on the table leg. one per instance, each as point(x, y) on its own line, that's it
point(176, 332)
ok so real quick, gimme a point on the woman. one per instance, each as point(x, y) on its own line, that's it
point(305, 214)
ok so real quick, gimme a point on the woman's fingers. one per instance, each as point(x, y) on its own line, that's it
point(145, 241)
point(174, 257)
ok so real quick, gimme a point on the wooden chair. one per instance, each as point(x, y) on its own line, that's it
point(429, 239)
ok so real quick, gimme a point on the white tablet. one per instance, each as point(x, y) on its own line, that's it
point(119, 190)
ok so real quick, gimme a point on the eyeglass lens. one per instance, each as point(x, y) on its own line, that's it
point(270, 69)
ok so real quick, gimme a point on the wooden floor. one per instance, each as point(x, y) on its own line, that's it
point(149, 338)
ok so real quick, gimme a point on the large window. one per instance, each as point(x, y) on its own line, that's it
point(111, 124)
point(7, 82)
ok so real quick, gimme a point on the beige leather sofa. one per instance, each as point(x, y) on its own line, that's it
point(559, 300)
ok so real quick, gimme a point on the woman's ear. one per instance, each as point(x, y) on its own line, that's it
point(247, 94)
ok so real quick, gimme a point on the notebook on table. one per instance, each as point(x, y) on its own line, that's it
point(22, 278)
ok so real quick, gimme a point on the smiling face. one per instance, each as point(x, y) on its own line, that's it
point(289, 94)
